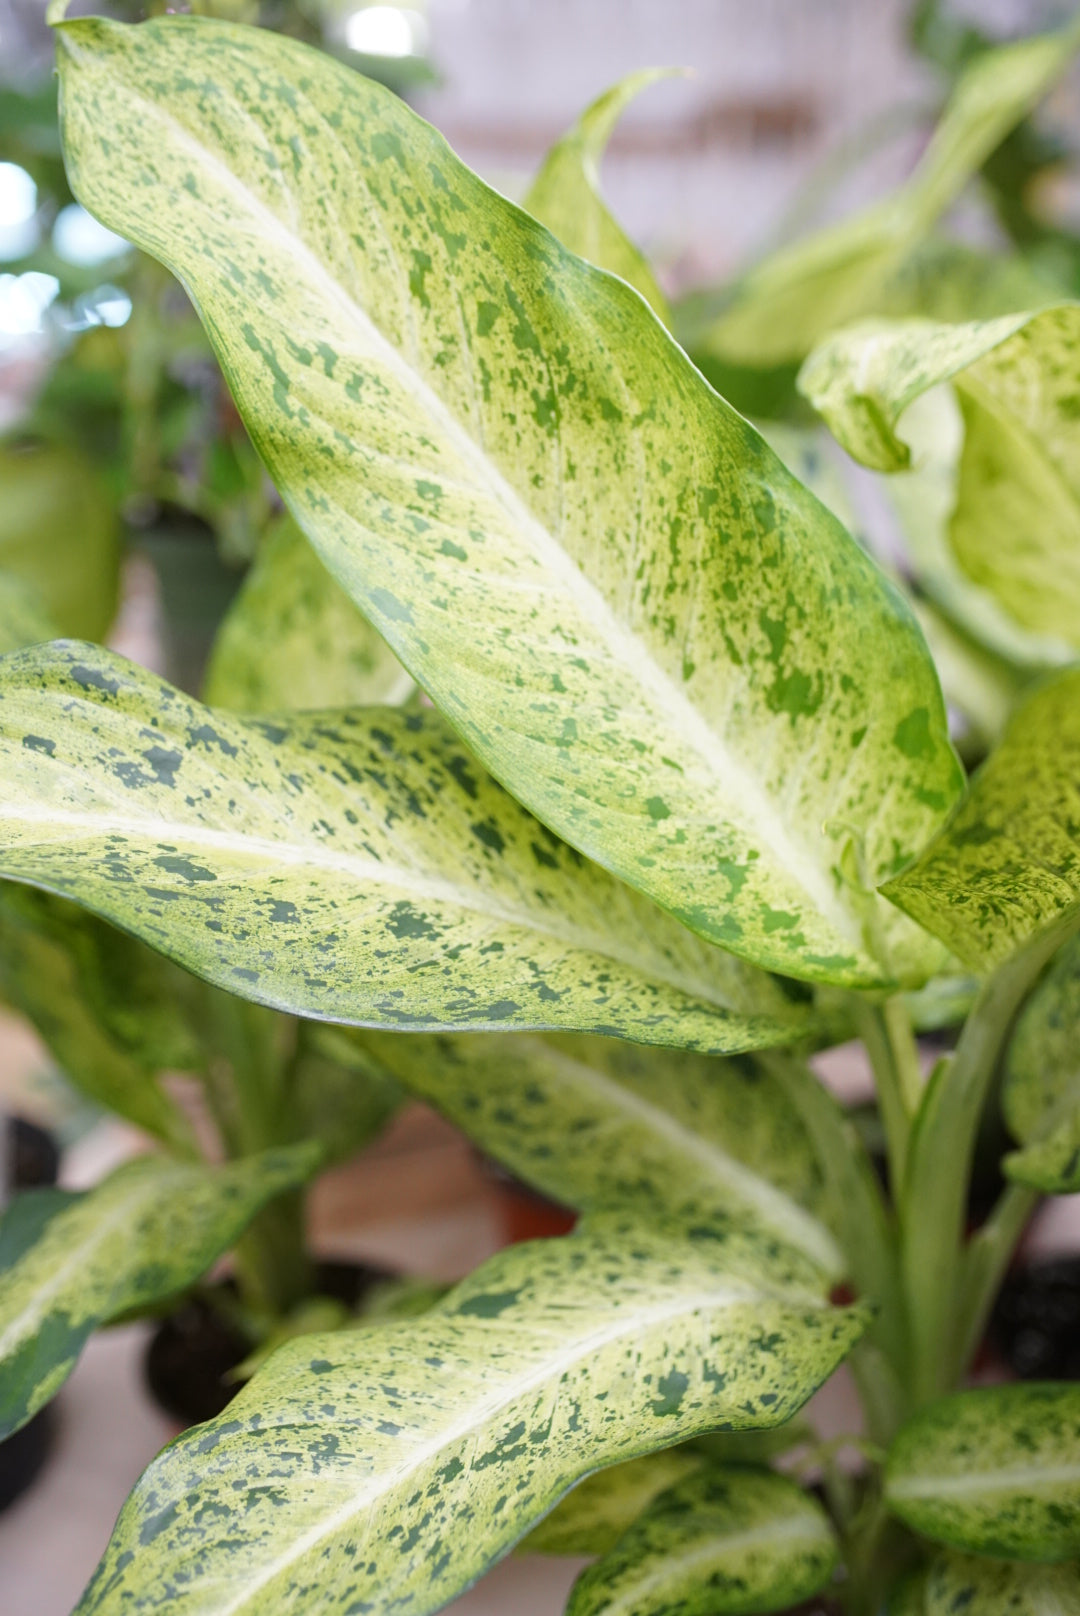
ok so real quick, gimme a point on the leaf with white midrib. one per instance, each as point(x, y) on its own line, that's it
point(354, 866)
point(688, 714)
point(551, 1360)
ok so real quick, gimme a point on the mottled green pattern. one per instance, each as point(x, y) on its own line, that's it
point(105, 1005)
point(293, 640)
point(721, 1543)
point(592, 1518)
point(565, 195)
point(59, 533)
point(959, 1585)
point(69, 1262)
point(1008, 862)
point(352, 866)
point(637, 619)
point(595, 1123)
point(849, 270)
point(1015, 522)
point(1041, 1092)
point(383, 1471)
point(993, 1471)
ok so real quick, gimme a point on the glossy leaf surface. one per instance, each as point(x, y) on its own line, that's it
point(993, 1471)
point(293, 640)
point(723, 1541)
point(1040, 1095)
point(959, 1582)
point(70, 1262)
point(565, 195)
point(674, 655)
point(353, 866)
point(391, 1467)
point(596, 1123)
point(1008, 862)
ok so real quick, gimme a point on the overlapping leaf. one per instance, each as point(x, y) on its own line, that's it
point(721, 1541)
point(958, 1582)
point(650, 632)
point(1041, 1092)
point(389, 1468)
point(785, 305)
point(1008, 862)
point(354, 866)
point(1015, 525)
point(293, 639)
point(596, 1123)
point(69, 1262)
point(565, 195)
point(994, 1471)
point(592, 1518)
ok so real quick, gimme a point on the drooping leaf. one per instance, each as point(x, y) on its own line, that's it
point(723, 1541)
point(673, 655)
point(391, 1467)
point(1040, 1096)
point(959, 1582)
point(785, 305)
point(993, 1471)
point(593, 1517)
point(23, 618)
point(354, 866)
point(1015, 525)
point(101, 1002)
point(597, 1123)
point(59, 533)
point(1008, 862)
point(565, 195)
point(293, 639)
point(70, 1262)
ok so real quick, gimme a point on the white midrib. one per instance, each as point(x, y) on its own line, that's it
point(417, 883)
point(986, 1481)
point(760, 817)
point(476, 1421)
point(775, 1208)
point(678, 1564)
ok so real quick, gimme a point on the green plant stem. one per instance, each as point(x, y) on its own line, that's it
point(941, 1151)
point(894, 1056)
point(985, 1261)
point(273, 1268)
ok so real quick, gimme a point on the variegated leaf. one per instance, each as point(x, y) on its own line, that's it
point(722, 1541)
point(959, 1582)
point(1041, 1092)
point(1008, 862)
point(389, 1468)
point(593, 1517)
point(293, 639)
point(993, 1471)
point(70, 1262)
point(637, 619)
point(352, 866)
point(565, 195)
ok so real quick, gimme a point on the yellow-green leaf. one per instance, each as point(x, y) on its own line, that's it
point(959, 1582)
point(1040, 1096)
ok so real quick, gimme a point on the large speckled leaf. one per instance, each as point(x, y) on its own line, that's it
point(1015, 523)
point(596, 1123)
point(565, 195)
point(59, 533)
point(722, 1541)
point(70, 1262)
point(352, 866)
point(389, 1468)
point(647, 629)
point(994, 1471)
point(959, 1583)
point(786, 304)
point(1040, 1095)
point(293, 639)
point(1008, 862)
point(104, 1005)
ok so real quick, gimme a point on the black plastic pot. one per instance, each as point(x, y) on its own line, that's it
point(193, 1351)
point(32, 1163)
point(1035, 1326)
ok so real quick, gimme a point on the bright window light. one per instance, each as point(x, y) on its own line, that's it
point(23, 302)
point(18, 196)
point(386, 31)
point(78, 238)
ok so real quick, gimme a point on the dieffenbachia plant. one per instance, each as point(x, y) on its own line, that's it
point(566, 752)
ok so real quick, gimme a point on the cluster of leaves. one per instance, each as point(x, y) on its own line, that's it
point(677, 807)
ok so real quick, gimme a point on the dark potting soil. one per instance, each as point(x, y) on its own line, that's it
point(193, 1351)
